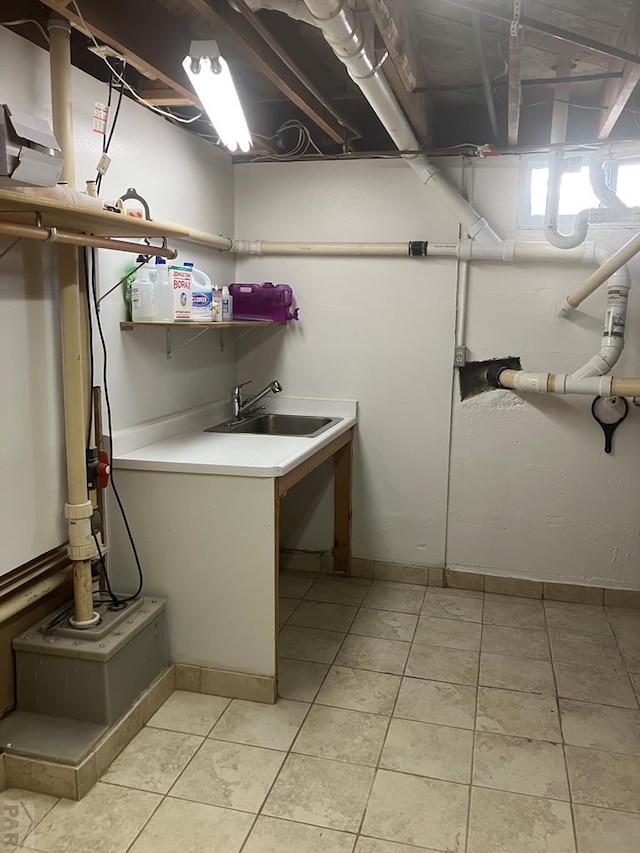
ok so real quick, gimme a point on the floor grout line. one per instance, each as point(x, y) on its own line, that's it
point(390, 718)
point(475, 735)
point(563, 742)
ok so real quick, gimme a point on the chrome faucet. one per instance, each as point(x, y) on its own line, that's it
point(244, 408)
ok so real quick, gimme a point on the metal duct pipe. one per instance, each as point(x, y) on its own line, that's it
point(343, 32)
point(79, 509)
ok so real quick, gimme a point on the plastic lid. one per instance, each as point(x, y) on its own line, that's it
point(187, 264)
point(161, 260)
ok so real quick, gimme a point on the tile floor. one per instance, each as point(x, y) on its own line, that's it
point(410, 719)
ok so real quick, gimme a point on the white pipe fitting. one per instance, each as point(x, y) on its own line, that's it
point(247, 247)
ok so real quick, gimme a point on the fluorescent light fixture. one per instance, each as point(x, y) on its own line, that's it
point(210, 77)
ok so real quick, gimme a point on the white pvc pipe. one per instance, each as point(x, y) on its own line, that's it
point(562, 383)
point(551, 212)
point(465, 250)
point(343, 32)
point(612, 151)
point(390, 250)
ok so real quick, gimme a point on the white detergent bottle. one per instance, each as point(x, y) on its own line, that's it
point(227, 305)
point(216, 304)
point(162, 294)
point(201, 295)
point(142, 297)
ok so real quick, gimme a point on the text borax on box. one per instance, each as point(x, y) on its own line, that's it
point(180, 281)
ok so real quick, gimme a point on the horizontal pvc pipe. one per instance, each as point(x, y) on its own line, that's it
point(70, 238)
point(625, 386)
point(18, 603)
point(561, 383)
point(399, 250)
point(464, 250)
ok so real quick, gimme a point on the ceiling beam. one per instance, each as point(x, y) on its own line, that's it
point(484, 74)
point(395, 20)
point(126, 27)
point(498, 13)
point(617, 93)
point(516, 43)
point(233, 26)
point(395, 24)
point(272, 42)
point(164, 97)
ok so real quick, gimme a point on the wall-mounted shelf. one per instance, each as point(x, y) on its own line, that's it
point(233, 324)
point(54, 210)
point(248, 325)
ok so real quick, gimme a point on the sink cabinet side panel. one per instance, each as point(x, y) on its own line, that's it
point(207, 544)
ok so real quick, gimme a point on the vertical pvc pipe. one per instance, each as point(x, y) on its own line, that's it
point(78, 509)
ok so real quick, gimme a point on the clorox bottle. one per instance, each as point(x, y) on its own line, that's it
point(201, 295)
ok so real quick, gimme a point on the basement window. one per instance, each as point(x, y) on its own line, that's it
point(575, 189)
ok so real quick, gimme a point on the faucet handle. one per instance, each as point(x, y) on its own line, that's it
point(242, 384)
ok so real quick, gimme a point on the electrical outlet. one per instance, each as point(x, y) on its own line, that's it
point(459, 356)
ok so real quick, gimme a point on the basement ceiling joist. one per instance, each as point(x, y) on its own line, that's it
point(126, 27)
point(617, 93)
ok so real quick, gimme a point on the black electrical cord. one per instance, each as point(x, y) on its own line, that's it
point(107, 400)
point(91, 295)
point(106, 140)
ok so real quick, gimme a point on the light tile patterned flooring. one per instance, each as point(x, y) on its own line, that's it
point(410, 719)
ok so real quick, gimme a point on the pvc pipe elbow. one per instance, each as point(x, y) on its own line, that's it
point(573, 240)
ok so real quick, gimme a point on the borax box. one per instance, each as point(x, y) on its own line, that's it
point(180, 281)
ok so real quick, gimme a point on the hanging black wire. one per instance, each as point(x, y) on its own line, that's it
point(106, 139)
point(105, 383)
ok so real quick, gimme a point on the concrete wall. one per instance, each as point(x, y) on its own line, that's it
point(168, 167)
point(497, 483)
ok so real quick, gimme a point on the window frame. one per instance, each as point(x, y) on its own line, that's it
point(541, 161)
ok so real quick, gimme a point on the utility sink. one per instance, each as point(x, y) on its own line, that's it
point(307, 426)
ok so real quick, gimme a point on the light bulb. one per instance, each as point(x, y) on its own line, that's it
point(220, 100)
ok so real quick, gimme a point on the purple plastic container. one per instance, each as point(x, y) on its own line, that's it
point(265, 301)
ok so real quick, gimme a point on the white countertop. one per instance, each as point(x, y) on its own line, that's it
point(179, 443)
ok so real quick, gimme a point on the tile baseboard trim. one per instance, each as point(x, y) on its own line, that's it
point(73, 782)
point(551, 591)
point(321, 562)
point(306, 561)
point(222, 682)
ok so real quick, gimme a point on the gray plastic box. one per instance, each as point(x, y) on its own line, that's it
point(93, 675)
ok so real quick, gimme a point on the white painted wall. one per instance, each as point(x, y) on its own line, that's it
point(523, 488)
point(185, 179)
point(367, 332)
